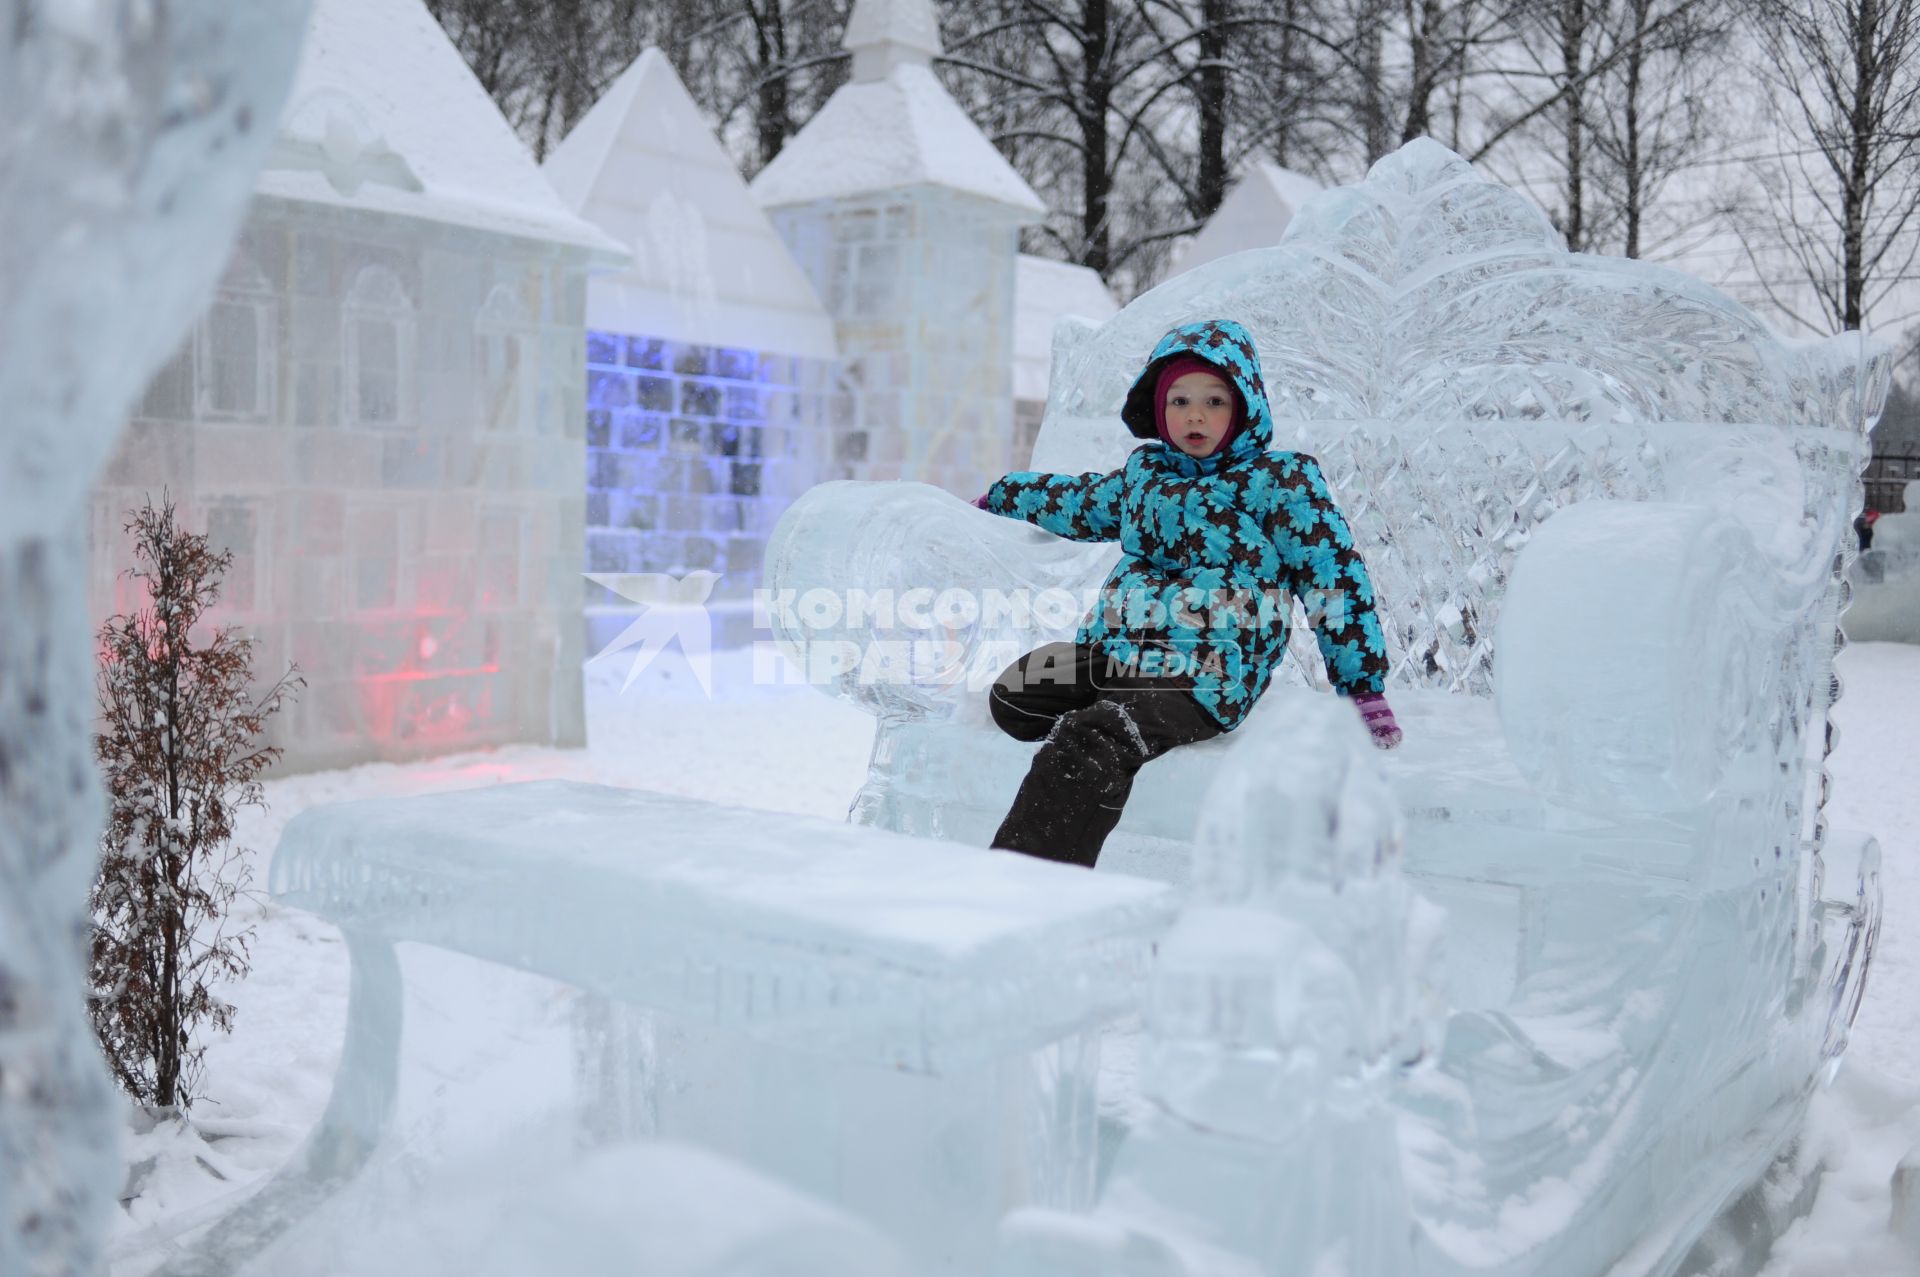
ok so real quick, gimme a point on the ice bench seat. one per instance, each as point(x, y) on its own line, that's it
point(904, 1026)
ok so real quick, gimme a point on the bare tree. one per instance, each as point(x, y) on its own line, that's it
point(179, 754)
point(1125, 113)
point(1607, 96)
point(545, 63)
point(1287, 70)
point(1253, 86)
point(491, 37)
point(1398, 58)
point(1212, 92)
point(1652, 117)
point(758, 68)
point(774, 62)
point(1076, 95)
point(1841, 201)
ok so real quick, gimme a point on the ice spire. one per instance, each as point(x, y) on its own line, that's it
point(884, 34)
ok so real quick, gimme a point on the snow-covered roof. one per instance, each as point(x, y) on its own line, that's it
point(386, 117)
point(1253, 214)
point(893, 125)
point(1043, 291)
point(707, 267)
point(883, 33)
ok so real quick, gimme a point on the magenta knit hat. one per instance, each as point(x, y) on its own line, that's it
point(1176, 369)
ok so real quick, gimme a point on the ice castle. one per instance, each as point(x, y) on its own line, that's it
point(380, 413)
point(437, 383)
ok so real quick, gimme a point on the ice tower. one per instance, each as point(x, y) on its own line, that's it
point(906, 219)
point(708, 358)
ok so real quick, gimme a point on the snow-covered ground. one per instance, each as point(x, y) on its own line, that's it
point(1870, 1118)
point(790, 749)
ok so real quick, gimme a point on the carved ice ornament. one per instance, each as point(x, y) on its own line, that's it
point(330, 132)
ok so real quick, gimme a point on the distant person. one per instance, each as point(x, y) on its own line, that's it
point(1863, 527)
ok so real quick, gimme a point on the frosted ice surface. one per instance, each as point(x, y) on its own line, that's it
point(133, 133)
point(711, 876)
point(1282, 1003)
point(1662, 609)
point(1604, 508)
point(659, 1208)
point(906, 1028)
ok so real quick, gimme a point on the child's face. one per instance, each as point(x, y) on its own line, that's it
point(1199, 413)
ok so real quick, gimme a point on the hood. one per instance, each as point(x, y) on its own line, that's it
point(1228, 347)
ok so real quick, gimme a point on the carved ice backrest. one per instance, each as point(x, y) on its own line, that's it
point(1460, 375)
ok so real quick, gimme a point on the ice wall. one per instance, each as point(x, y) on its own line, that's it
point(133, 134)
point(693, 451)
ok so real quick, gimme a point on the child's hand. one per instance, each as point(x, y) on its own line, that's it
point(1378, 717)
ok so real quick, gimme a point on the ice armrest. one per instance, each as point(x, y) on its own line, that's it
point(1634, 646)
point(899, 596)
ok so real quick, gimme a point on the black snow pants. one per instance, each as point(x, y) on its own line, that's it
point(1099, 727)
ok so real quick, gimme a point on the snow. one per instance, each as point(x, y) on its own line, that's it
point(901, 131)
point(1870, 1118)
point(386, 117)
point(708, 267)
point(1875, 790)
point(789, 749)
point(1044, 292)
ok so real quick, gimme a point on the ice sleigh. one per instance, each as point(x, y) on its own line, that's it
point(1607, 512)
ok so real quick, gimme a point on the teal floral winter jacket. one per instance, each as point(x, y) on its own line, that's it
point(1214, 548)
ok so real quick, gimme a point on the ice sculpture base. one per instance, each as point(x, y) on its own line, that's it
point(934, 1160)
point(903, 1027)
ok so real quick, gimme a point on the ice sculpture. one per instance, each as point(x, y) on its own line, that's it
point(1284, 1001)
point(906, 219)
point(132, 136)
point(906, 1029)
point(1607, 511)
point(656, 1209)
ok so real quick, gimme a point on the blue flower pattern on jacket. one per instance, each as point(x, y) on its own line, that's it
point(1247, 519)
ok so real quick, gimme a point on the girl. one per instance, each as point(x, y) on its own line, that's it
point(1218, 535)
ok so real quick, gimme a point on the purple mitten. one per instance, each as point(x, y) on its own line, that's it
point(980, 503)
point(1378, 718)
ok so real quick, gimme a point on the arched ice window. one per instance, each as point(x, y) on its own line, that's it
point(234, 346)
point(505, 375)
point(379, 340)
